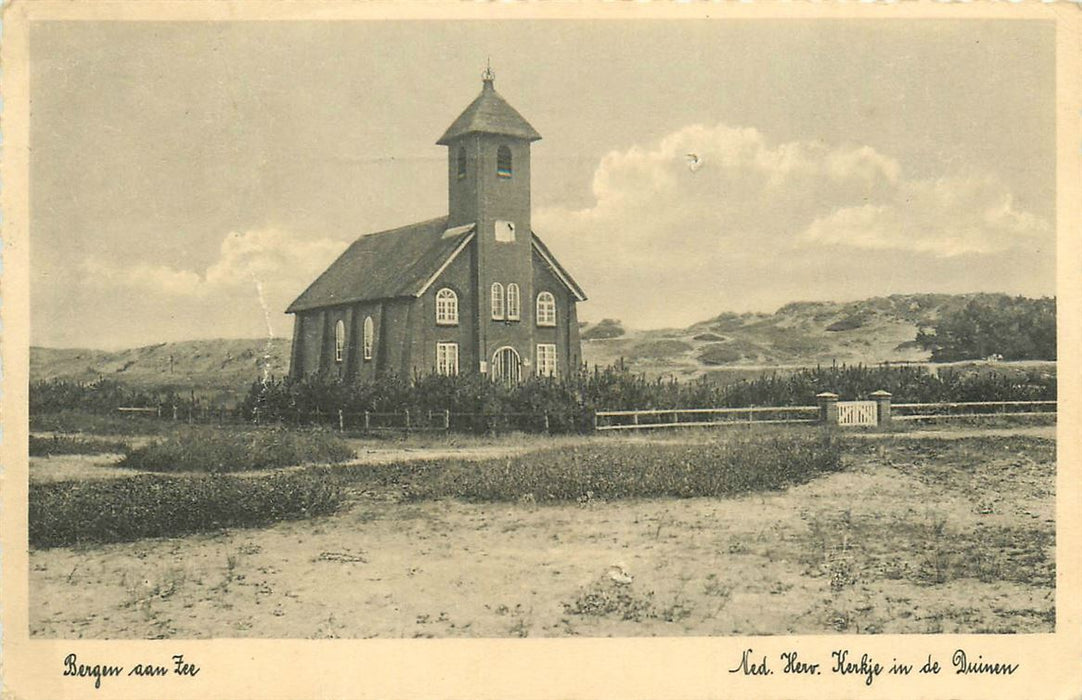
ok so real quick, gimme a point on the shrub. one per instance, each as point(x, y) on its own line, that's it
point(719, 354)
point(1016, 328)
point(606, 328)
point(849, 323)
point(216, 450)
point(68, 445)
point(742, 464)
point(68, 513)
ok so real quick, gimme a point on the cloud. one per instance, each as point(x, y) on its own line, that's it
point(256, 275)
point(756, 224)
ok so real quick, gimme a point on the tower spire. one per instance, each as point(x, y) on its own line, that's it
point(488, 76)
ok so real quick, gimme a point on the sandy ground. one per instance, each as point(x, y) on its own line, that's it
point(900, 542)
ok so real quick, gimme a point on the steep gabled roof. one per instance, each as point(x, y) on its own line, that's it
point(395, 263)
point(489, 114)
point(557, 269)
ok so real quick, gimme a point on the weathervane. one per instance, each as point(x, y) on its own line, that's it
point(488, 75)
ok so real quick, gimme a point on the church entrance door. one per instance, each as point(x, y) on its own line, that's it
point(506, 366)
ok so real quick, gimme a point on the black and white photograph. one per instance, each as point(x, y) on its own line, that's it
point(492, 328)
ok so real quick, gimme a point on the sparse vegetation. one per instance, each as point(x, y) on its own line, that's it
point(201, 449)
point(70, 445)
point(69, 513)
point(740, 464)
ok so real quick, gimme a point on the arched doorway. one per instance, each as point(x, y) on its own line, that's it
point(506, 366)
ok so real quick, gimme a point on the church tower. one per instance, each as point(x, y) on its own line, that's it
point(488, 182)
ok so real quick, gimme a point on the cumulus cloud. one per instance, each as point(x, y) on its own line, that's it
point(756, 224)
point(255, 276)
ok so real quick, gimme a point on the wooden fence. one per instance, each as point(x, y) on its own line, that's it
point(877, 411)
point(702, 417)
point(357, 422)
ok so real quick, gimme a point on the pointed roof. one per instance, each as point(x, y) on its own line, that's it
point(396, 263)
point(489, 114)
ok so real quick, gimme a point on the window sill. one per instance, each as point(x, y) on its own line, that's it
point(447, 323)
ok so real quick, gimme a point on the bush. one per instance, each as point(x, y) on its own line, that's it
point(606, 328)
point(68, 513)
point(994, 324)
point(748, 463)
point(719, 354)
point(221, 450)
point(848, 323)
point(68, 445)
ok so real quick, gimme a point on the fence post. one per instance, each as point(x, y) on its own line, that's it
point(174, 411)
point(407, 412)
point(159, 410)
point(882, 407)
point(593, 417)
point(828, 407)
point(341, 421)
point(447, 420)
point(548, 431)
point(366, 424)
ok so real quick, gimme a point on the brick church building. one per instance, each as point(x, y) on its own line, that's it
point(473, 291)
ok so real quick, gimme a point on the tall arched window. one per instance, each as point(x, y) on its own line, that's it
point(546, 309)
point(446, 307)
point(369, 337)
point(514, 304)
point(497, 301)
point(339, 341)
point(503, 161)
point(460, 165)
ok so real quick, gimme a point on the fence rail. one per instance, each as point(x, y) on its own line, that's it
point(878, 411)
point(673, 417)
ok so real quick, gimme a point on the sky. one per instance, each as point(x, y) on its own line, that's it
point(189, 180)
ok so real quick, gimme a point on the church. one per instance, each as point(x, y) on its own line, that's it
point(473, 291)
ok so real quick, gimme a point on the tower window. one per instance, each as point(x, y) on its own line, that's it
point(446, 307)
point(497, 301)
point(503, 161)
point(461, 162)
point(514, 306)
point(369, 337)
point(546, 309)
point(339, 341)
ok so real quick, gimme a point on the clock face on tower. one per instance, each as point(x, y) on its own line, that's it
point(505, 231)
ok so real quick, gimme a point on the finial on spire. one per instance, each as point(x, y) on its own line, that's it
point(488, 75)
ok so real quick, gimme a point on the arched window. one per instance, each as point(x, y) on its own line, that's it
point(446, 307)
point(369, 337)
point(514, 305)
point(503, 161)
point(497, 301)
point(546, 309)
point(339, 341)
point(460, 165)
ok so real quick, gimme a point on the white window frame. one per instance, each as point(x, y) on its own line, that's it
point(446, 307)
point(546, 309)
point(497, 301)
point(546, 359)
point(339, 340)
point(514, 302)
point(447, 358)
point(369, 336)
